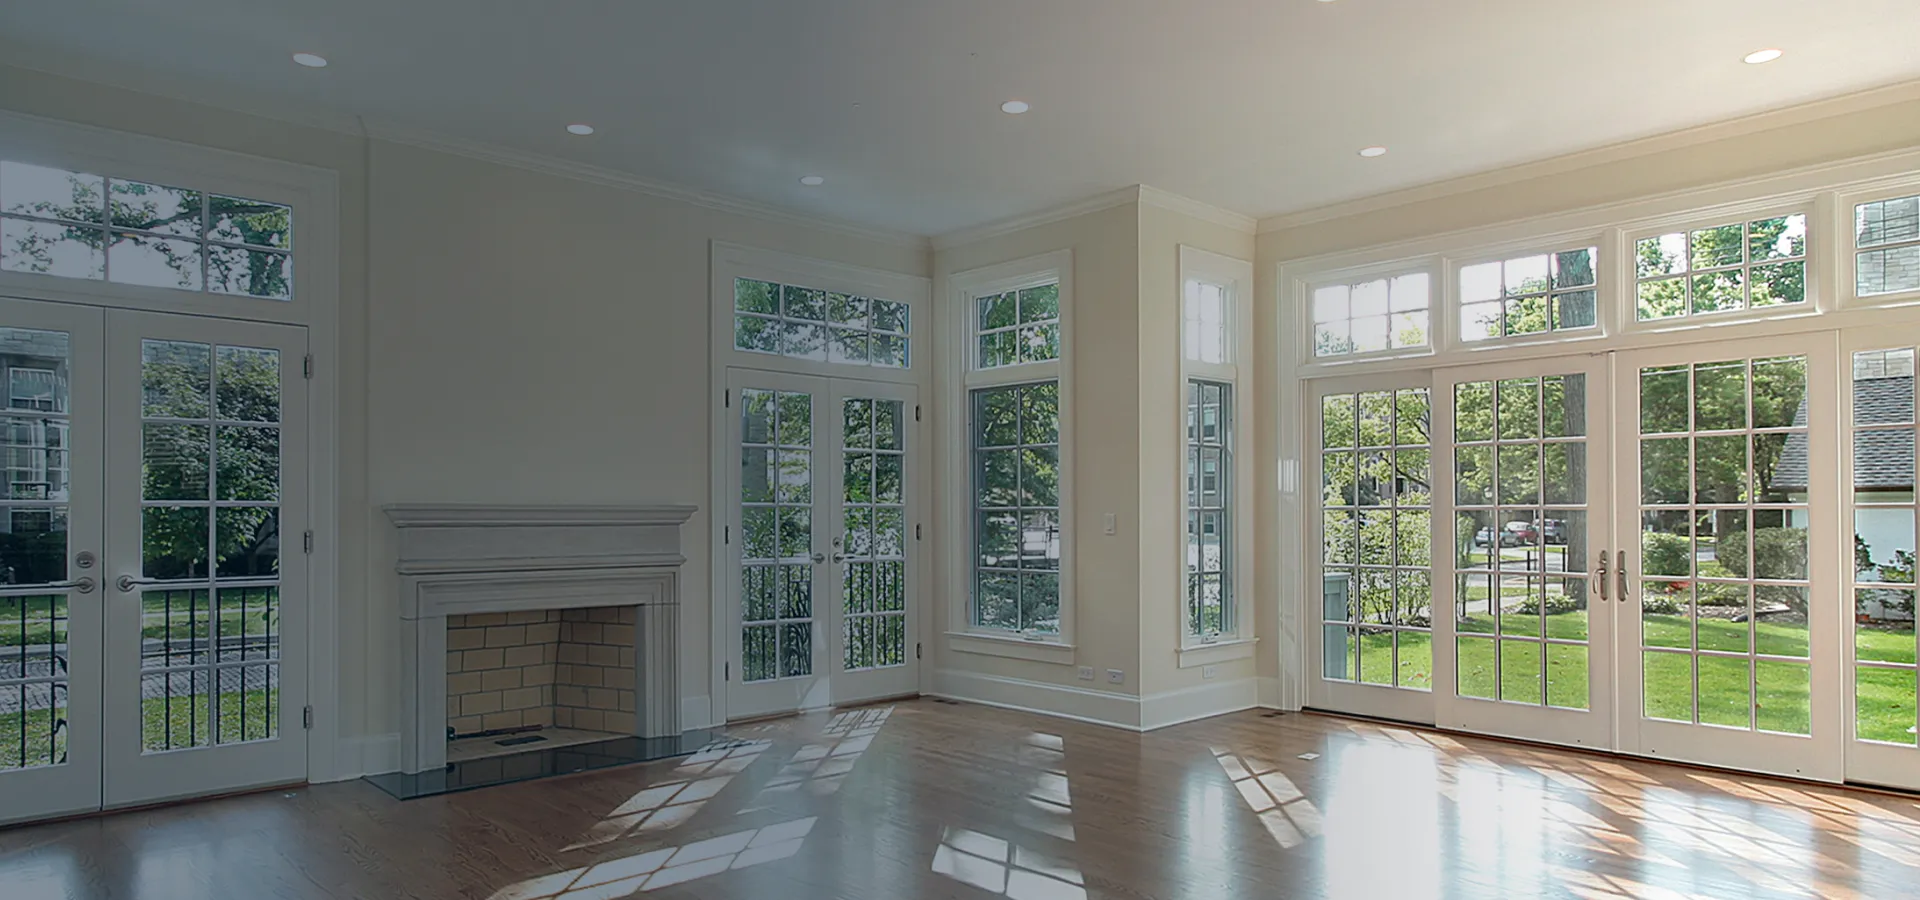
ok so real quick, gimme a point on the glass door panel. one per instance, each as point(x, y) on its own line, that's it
point(1729, 572)
point(1374, 640)
point(50, 542)
point(777, 560)
point(1523, 473)
point(1882, 680)
point(203, 693)
point(873, 568)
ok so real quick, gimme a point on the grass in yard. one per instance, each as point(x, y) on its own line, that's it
point(36, 728)
point(188, 715)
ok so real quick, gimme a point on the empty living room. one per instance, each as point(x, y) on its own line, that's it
point(959, 449)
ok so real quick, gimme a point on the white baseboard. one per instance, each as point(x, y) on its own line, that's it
point(369, 755)
point(1079, 704)
point(697, 712)
point(1097, 707)
point(1201, 702)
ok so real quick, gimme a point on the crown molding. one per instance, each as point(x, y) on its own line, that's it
point(1811, 111)
point(1047, 216)
point(1206, 212)
point(30, 59)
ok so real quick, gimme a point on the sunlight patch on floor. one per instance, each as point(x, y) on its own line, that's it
point(659, 868)
point(1002, 867)
point(671, 803)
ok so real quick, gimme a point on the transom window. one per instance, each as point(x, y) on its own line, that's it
point(1390, 313)
point(807, 323)
point(76, 225)
point(1745, 265)
point(1020, 326)
point(1528, 295)
point(1204, 326)
point(1886, 235)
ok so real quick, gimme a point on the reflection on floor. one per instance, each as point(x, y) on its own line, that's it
point(929, 800)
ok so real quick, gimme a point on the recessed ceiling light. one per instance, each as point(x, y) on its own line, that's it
point(310, 60)
point(1015, 107)
point(812, 180)
point(1764, 56)
point(1373, 151)
point(579, 129)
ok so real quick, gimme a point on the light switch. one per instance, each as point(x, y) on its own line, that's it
point(1111, 523)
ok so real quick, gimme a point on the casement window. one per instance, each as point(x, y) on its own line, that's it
point(1886, 240)
point(1011, 355)
point(1725, 268)
point(78, 225)
point(1529, 295)
point(1216, 540)
point(806, 323)
point(1372, 316)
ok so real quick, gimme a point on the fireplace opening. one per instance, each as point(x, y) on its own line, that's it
point(539, 679)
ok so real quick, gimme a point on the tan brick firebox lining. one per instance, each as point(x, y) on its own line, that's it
point(568, 668)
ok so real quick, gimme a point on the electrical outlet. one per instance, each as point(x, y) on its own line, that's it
point(1086, 673)
point(1115, 676)
point(1209, 671)
point(1111, 523)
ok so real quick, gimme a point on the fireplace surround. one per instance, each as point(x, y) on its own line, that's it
point(509, 563)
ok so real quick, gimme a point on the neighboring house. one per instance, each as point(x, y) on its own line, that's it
point(34, 366)
point(1883, 466)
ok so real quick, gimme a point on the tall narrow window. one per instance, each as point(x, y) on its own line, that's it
point(1886, 237)
point(1210, 531)
point(1745, 265)
point(1010, 344)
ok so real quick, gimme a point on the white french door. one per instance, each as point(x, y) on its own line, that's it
point(1522, 480)
point(820, 542)
point(1638, 551)
point(153, 463)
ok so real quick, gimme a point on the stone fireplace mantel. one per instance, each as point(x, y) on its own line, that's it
point(463, 559)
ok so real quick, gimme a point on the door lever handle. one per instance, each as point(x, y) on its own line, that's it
point(1600, 576)
point(84, 584)
point(127, 583)
point(1621, 570)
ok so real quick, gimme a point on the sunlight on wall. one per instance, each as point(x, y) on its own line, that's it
point(669, 804)
point(666, 866)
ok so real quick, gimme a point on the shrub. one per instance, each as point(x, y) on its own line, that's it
point(1722, 595)
point(1660, 604)
point(1666, 554)
point(1777, 553)
point(1556, 604)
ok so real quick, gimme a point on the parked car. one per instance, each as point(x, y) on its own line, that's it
point(1555, 529)
point(1515, 534)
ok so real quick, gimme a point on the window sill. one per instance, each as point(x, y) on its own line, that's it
point(1010, 647)
point(1217, 652)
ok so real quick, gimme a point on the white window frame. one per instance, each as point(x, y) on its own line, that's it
point(314, 194)
point(1235, 278)
point(52, 376)
point(1847, 276)
point(964, 375)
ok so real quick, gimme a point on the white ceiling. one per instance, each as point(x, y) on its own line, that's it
point(1257, 106)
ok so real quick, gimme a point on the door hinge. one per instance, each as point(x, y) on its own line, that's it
point(726, 398)
point(306, 541)
point(729, 671)
point(306, 717)
point(916, 531)
point(306, 366)
point(916, 650)
point(916, 412)
point(726, 534)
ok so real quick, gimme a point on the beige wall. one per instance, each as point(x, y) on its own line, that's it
point(506, 336)
point(1105, 463)
point(1162, 441)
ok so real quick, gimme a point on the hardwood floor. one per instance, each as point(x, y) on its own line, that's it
point(925, 799)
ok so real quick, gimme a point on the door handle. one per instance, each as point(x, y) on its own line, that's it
point(1620, 568)
point(84, 584)
point(1600, 576)
point(818, 558)
point(127, 583)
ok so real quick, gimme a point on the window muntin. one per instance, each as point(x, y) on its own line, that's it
point(1210, 509)
point(1016, 507)
point(77, 225)
point(1376, 555)
point(1204, 323)
point(1886, 238)
point(1745, 265)
point(825, 326)
point(1017, 327)
point(1525, 295)
point(1388, 313)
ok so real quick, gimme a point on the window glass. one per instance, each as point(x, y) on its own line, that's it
point(1371, 316)
point(1886, 234)
point(1016, 507)
point(1210, 588)
point(1526, 295)
point(76, 225)
point(1204, 325)
point(1744, 265)
point(1017, 327)
point(805, 323)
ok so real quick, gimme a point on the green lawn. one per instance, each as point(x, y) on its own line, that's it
point(1884, 697)
point(189, 717)
point(35, 627)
